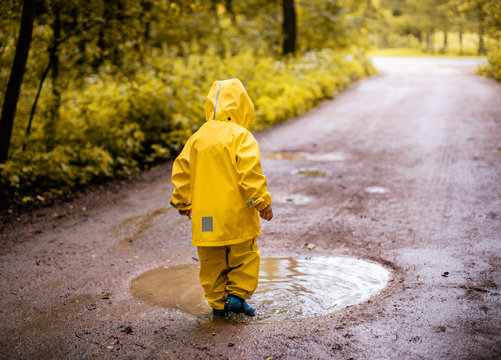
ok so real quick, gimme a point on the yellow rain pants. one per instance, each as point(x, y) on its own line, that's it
point(232, 269)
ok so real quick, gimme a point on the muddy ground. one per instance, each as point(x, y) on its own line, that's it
point(426, 130)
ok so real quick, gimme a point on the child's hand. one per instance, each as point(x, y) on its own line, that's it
point(266, 213)
point(185, 212)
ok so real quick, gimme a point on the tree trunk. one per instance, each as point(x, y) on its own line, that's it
point(481, 45)
point(107, 42)
point(444, 48)
point(34, 106)
point(420, 37)
point(229, 8)
point(289, 27)
point(429, 43)
point(16, 77)
point(51, 125)
point(460, 42)
point(146, 5)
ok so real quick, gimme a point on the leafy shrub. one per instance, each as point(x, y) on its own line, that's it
point(493, 67)
point(114, 127)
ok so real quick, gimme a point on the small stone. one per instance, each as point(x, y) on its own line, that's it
point(441, 329)
point(127, 330)
point(310, 246)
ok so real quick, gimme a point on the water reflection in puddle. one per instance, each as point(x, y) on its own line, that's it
point(376, 190)
point(288, 287)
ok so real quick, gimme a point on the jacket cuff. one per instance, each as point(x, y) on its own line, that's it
point(181, 206)
point(260, 203)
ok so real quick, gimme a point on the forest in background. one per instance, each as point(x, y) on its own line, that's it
point(114, 87)
point(433, 25)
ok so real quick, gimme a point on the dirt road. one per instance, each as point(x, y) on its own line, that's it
point(403, 169)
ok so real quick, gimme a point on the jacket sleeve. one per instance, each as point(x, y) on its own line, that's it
point(250, 174)
point(181, 196)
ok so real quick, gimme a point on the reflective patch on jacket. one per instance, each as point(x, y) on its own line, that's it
point(207, 223)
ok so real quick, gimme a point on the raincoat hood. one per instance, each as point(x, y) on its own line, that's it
point(228, 101)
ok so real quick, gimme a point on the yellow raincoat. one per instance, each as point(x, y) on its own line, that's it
point(218, 173)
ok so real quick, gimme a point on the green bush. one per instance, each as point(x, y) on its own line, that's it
point(493, 67)
point(113, 127)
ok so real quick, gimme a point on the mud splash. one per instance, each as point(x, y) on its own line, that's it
point(289, 288)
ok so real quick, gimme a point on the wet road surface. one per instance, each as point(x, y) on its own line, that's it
point(403, 169)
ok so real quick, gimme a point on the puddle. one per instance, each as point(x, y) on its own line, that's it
point(295, 199)
point(172, 287)
point(298, 199)
point(313, 173)
point(289, 288)
point(333, 156)
point(284, 156)
point(376, 190)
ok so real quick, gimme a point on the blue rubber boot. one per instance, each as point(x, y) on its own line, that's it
point(238, 305)
point(219, 313)
point(248, 310)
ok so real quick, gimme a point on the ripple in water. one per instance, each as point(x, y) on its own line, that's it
point(289, 288)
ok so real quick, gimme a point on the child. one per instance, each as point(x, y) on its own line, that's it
point(219, 184)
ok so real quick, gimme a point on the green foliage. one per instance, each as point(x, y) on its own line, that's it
point(115, 126)
point(123, 83)
point(342, 23)
point(493, 67)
